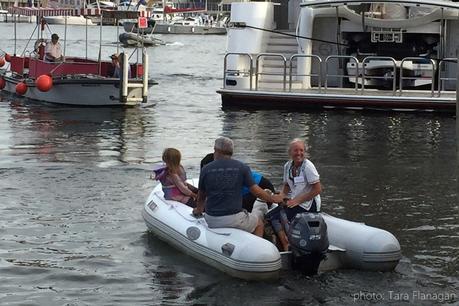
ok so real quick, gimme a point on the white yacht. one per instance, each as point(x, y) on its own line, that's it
point(333, 53)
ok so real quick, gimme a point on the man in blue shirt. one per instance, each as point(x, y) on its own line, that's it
point(248, 199)
point(220, 185)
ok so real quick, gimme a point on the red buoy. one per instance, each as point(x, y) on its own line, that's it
point(44, 82)
point(7, 57)
point(21, 88)
point(2, 61)
point(2, 83)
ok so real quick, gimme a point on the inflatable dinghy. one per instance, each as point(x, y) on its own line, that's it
point(243, 255)
point(137, 40)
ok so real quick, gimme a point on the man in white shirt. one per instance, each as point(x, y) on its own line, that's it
point(53, 51)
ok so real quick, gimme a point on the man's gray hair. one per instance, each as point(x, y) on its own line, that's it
point(224, 145)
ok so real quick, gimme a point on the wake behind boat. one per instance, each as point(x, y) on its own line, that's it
point(74, 80)
point(241, 254)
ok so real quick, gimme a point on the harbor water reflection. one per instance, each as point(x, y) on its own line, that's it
point(74, 181)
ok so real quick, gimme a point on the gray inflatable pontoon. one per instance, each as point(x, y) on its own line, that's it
point(353, 245)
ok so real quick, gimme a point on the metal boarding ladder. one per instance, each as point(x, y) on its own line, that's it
point(441, 80)
point(317, 75)
point(248, 72)
point(127, 87)
point(284, 68)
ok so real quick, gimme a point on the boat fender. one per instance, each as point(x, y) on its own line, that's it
point(2, 83)
point(7, 57)
point(21, 88)
point(2, 61)
point(44, 82)
point(193, 232)
point(227, 249)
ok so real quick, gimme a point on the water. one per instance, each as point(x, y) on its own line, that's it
point(73, 182)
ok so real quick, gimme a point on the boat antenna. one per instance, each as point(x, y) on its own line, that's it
point(244, 25)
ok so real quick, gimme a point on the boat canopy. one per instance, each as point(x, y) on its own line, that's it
point(44, 12)
point(328, 3)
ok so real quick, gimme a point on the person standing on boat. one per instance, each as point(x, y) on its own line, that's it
point(117, 64)
point(53, 50)
point(301, 185)
point(219, 190)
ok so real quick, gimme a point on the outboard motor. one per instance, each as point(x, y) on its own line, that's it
point(308, 240)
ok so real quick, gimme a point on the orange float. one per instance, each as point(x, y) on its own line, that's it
point(44, 82)
point(7, 57)
point(2, 61)
point(21, 88)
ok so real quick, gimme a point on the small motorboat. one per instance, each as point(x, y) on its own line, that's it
point(73, 80)
point(241, 254)
point(139, 40)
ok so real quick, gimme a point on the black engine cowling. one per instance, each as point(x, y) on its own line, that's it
point(308, 241)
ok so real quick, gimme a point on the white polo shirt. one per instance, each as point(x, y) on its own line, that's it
point(53, 49)
point(302, 183)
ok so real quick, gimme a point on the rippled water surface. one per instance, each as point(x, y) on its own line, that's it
point(73, 182)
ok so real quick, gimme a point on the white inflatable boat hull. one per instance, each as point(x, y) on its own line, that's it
point(240, 254)
point(233, 251)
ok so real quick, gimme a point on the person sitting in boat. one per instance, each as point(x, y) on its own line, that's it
point(301, 184)
point(219, 191)
point(116, 65)
point(173, 179)
point(53, 50)
point(248, 199)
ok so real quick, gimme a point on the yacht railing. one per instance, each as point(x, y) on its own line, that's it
point(341, 76)
point(312, 57)
point(413, 59)
point(257, 68)
point(441, 80)
point(398, 72)
point(379, 77)
point(238, 72)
